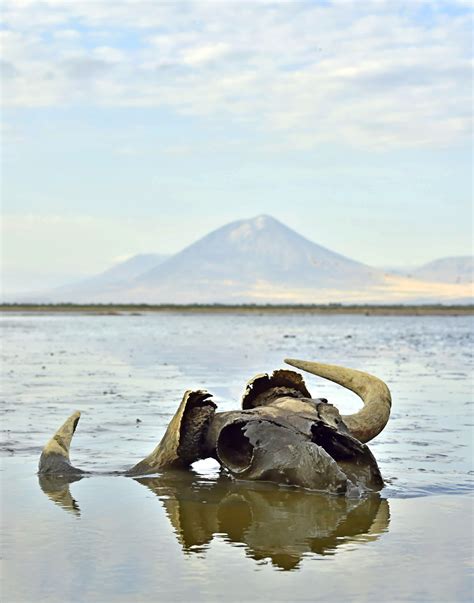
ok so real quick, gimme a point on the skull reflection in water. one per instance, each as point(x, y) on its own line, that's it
point(281, 525)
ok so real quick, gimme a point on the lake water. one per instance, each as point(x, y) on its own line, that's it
point(201, 536)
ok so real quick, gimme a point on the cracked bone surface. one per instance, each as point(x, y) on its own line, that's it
point(292, 442)
point(54, 458)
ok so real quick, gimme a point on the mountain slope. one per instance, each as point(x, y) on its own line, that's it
point(131, 268)
point(458, 269)
point(118, 275)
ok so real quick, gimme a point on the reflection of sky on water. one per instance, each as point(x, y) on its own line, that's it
point(133, 542)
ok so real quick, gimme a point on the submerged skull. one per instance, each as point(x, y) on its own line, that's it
point(281, 434)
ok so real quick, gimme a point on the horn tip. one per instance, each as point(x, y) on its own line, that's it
point(294, 362)
point(74, 418)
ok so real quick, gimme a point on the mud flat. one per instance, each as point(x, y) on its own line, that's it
point(200, 537)
point(367, 310)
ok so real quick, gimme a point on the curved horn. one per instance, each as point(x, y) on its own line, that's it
point(372, 418)
point(55, 455)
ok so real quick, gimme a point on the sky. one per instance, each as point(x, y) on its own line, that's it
point(137, 126)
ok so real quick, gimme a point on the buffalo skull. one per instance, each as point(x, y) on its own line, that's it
point(281, 434)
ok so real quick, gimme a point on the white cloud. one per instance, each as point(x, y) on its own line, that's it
point(66, 34)
point(369, 74)
point(204, 54)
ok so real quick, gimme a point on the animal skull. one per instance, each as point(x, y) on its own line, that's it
point(281, 434)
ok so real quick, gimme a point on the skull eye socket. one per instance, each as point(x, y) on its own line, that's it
point(234, 449)
point(335, 444)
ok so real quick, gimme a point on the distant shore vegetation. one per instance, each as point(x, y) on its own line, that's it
point(334, 308)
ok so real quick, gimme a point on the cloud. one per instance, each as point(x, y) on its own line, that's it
point(7, 70)
point(84, 67)
point(204, 54)
point(66, 34)
point(371, 74)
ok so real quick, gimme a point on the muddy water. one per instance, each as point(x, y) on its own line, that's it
point(202, 536)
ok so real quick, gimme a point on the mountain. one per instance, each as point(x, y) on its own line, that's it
point(458, 269)
point(240, 260)
point(131, 268)
point(254, 261)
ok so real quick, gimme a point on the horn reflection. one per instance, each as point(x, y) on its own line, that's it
point(281, 524)
point(56, 488)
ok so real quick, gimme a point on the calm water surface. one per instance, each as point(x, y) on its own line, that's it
point(202, 536)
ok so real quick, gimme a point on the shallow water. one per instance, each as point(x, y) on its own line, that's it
point(203, 537)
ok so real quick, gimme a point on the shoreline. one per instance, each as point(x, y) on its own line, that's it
point(139, 309)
